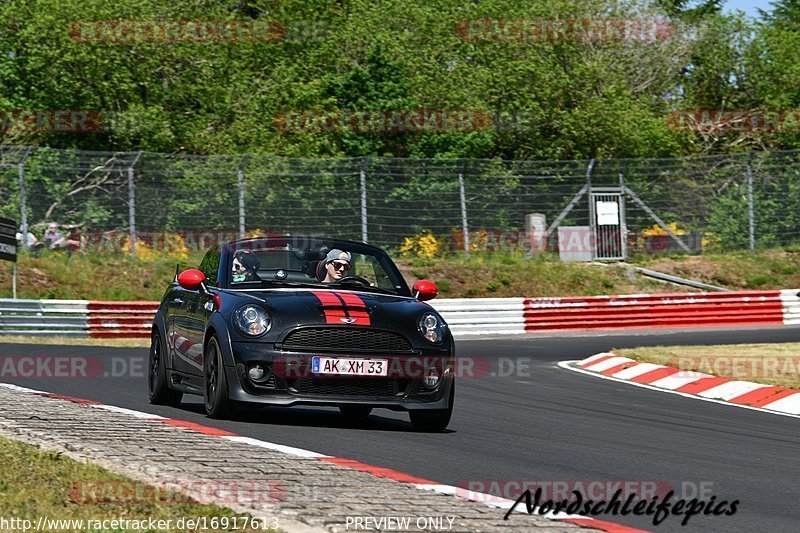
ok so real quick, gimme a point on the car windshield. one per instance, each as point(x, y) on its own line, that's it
point(319, 263)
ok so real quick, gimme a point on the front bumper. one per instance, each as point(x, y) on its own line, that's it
point(290, 381)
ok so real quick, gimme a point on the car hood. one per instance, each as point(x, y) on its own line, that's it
point(295, 307)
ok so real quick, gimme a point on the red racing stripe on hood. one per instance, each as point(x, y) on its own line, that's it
point(341, 308)
point(356, 307)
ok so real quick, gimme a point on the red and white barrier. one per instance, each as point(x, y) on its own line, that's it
point(655, 310)
point(119, 320)
point(670, 379)
point(466, 316)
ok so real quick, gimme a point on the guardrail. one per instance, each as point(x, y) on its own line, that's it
point(76, 318)
point(466, 316)
point(120, 320)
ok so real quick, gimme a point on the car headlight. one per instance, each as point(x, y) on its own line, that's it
point(252, 320)
point(431, 327)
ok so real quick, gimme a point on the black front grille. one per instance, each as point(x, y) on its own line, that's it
point(344, 339)
point(350, 386)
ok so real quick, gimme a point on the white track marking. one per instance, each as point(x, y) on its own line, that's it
point(297, 452)
point(124, 411)
point(22, 389)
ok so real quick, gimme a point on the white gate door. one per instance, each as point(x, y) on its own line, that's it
point(607, 213)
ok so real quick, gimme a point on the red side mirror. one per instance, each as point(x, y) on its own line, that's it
point(425, 290)
point(191, 279)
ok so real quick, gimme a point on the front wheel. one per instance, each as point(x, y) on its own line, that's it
point(215, 384)
point(433, 421)
point(157, 385)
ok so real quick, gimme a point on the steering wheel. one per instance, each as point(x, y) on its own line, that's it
point(359, 279)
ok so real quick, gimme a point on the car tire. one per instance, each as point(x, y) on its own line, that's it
point(433, 421)
point(157, 384)
point(215, 385)
point(355, 412)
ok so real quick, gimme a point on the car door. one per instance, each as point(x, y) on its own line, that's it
point(199, 307)
point(182, 338)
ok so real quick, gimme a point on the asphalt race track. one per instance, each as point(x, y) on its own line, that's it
point(550, 425)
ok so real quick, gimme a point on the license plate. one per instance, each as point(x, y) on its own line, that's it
point(349, 367)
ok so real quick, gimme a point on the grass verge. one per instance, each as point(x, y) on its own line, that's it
point(37, 483)
point(768, 269)
point(771, 364)
point(107, 276)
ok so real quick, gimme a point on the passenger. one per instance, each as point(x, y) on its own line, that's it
point(245, 266)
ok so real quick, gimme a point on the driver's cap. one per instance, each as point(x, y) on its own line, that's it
point(337, 255)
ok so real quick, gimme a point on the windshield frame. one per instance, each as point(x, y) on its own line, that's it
point(311, 243)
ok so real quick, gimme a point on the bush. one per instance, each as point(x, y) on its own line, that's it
point(424, 244)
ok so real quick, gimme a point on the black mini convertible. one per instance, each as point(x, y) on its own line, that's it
point(302, 320)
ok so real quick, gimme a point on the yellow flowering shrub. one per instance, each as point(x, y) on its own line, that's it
point(143, 250)
point(174, 245)
point(711, 242)
point(424, 244)
point(478, 240)
point(255, 233)
point(658, 230)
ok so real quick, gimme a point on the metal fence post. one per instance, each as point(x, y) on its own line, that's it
point(363, 177)
point(240, 177)
point(23, 198)
point(463, 195)
point(623, 230)
point(132, 205)
point(750, 203)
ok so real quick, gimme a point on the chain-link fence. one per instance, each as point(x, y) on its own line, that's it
point(128, 200)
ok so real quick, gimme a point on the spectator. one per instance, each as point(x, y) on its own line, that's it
point(53, 238)
point(31, 242)
point(56, 240)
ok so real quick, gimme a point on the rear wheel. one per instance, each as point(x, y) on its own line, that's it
point(157, 384)
point(355, 412)
point(215, 384)
point(433, 421)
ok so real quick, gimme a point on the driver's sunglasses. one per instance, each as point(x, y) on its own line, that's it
point(238, 266)
point(339, 265)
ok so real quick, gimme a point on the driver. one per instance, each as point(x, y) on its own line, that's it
point(337, 265)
